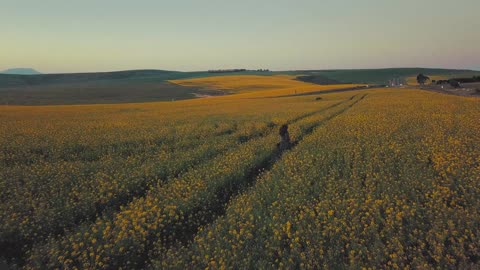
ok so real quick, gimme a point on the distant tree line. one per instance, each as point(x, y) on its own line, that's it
point(467, 80)
point(455, 82)
point(452, 82)
point(227, 70)
point(235, 70)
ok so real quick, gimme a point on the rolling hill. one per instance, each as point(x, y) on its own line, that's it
point(93, 88)
point(132, 86)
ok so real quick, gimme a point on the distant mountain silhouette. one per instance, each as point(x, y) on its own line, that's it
point(21, 71)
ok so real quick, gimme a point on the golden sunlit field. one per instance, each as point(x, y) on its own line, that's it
point(258, 86)
point(378, 178)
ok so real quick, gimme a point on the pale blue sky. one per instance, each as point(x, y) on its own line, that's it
point(100, 35)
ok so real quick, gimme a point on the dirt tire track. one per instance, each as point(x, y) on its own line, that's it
point(188, 232)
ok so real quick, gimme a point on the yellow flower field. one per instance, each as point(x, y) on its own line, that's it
point(379, 178)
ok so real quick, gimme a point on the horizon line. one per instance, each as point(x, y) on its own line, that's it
point(206, 70)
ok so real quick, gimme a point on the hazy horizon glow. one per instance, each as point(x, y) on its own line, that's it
point(89, 35)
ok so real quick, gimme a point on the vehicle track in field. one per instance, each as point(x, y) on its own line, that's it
point(16, 249)
point(226, 194)
point(322, 92)
point(199, 215)
point(262, 133)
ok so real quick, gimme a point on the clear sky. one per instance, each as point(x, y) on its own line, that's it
point(100, 35)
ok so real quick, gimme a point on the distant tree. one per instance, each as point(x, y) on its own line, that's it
point(421, 79)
